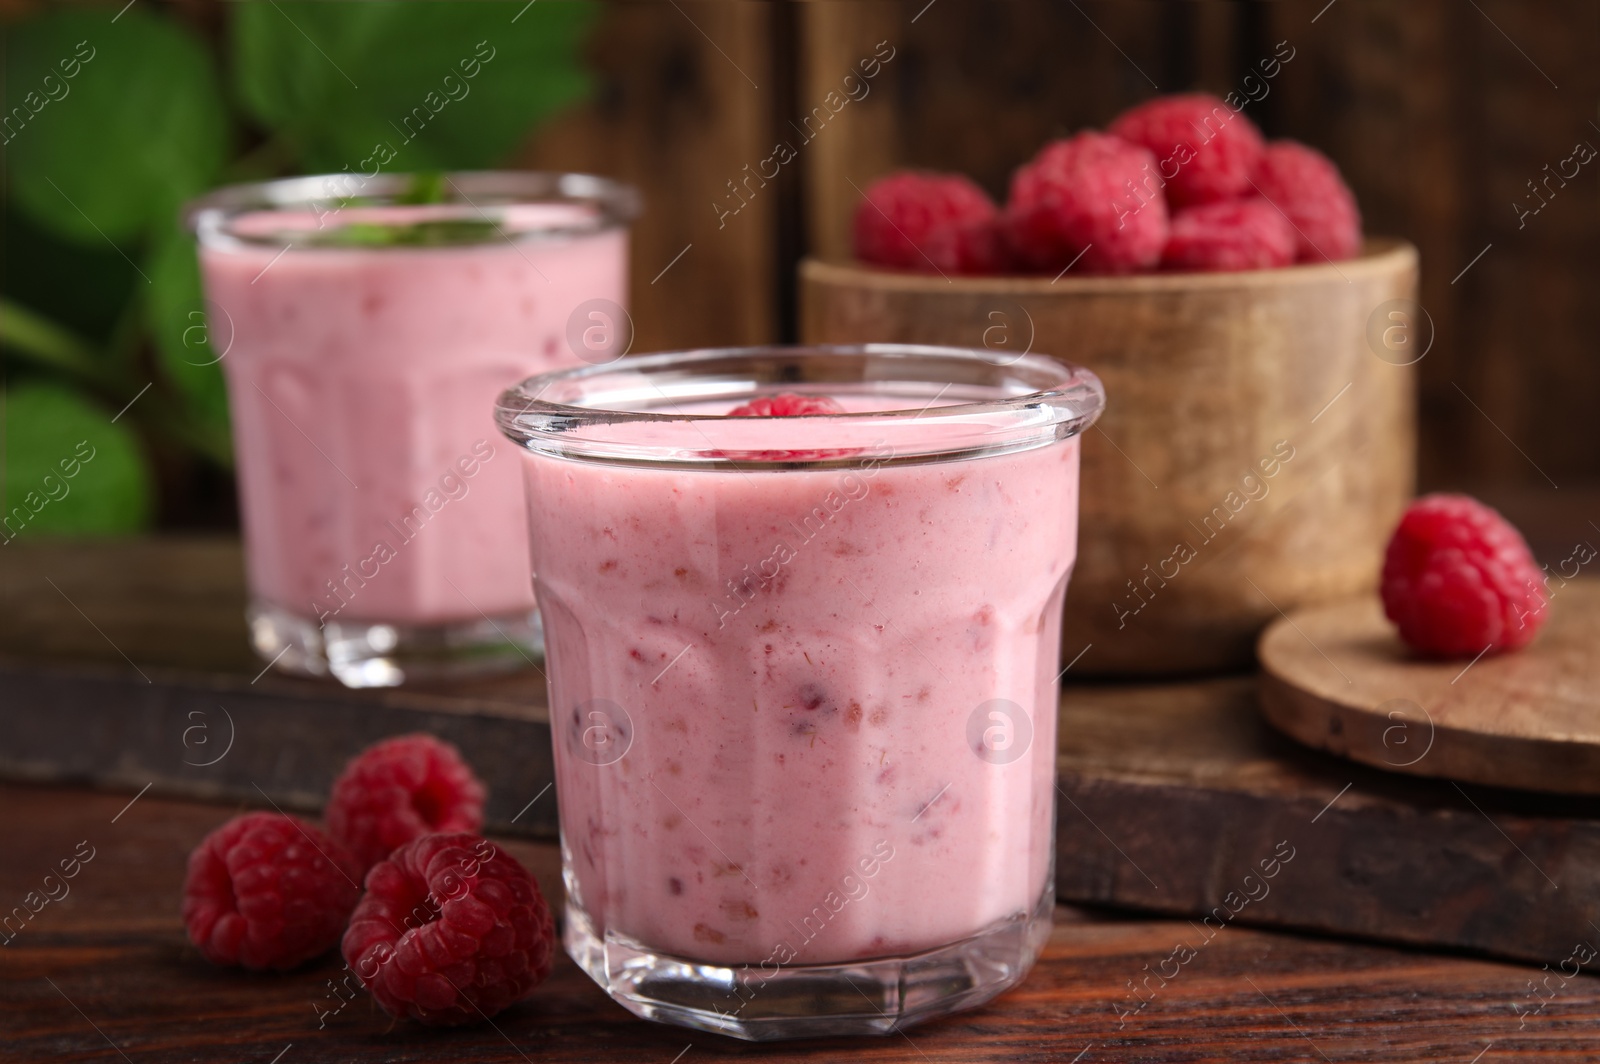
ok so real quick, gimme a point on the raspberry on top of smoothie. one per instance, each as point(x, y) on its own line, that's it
point(787, 405)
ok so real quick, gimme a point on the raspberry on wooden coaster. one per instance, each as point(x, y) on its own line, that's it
point(452, 929)
point(267, 891)
point(399, 789)
point(1459, 580)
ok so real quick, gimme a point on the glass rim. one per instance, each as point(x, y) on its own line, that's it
point(1051, 400)
point(616, 203)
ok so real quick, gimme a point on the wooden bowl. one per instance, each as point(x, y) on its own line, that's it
point(1258, 444)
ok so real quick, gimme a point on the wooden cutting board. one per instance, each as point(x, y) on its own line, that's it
point(1338, 678)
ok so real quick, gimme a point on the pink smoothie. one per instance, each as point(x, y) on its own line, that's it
point(799, 655)
point(374, 484)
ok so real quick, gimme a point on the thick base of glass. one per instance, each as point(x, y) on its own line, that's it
point(365, 654)
point(813, 1000)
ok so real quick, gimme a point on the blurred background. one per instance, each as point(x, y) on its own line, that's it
point(1450, 118)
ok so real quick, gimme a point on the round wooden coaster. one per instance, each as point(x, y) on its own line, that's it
point(1338, 678)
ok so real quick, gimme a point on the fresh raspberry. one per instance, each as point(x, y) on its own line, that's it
point(1305, 185)
point(1459, 579)
point(1205, 150)
point(1090, 195)
point(1241, 235)
point(451, 930)
point(789, 404)
point(786, 405)
point(267, 891)
point(401, 788)
point(929, 223)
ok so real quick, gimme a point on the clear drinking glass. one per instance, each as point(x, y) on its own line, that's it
point(803, 675)
point(364, 336)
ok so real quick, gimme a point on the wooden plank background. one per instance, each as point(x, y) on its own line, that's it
point(686, 98)
point(1439, 112)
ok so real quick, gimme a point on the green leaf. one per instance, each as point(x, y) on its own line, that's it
point(426, 187)
point(69, 469)
point(189, 345)
point(34, 261)
point(46, 343)
point(440, 232)
point(123, 121)
point(338, 79)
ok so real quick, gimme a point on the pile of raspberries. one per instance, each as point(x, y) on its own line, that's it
point(449, 928)
point(1178, 183)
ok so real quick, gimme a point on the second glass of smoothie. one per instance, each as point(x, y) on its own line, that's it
point(803, 673)
point(364, 336)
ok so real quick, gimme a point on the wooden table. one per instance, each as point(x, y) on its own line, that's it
point(126, 663)
point(106, 973)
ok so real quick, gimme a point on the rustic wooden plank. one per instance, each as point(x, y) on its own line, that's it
point(216, 736)
point(1172, 797)
point(857, 145)
point(109, 966)
point(1439, 114)
point(128, 663)
point(1170, 793)
point(684, 102)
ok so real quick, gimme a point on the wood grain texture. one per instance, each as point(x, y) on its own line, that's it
point(685, 100)
point(1169, 793)
point(1186, 546)
point(1173, 794)
point(1337, 677)
point(128, 663)
point(1440, 114)
point(107, 974)
point(859, 145)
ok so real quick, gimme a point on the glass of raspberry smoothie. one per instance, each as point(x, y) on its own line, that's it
point(802, 609)
point(364, 336)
